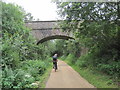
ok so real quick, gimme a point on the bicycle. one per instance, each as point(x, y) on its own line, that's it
point(55, 65)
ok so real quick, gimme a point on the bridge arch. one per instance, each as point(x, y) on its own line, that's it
point(47, 30)
point(54, 37)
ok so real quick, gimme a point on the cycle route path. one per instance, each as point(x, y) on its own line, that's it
point(66, 77)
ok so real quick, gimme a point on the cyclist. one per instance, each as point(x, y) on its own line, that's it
point(55, 62)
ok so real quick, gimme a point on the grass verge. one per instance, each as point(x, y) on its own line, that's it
point(97, 79)
point(45, 76)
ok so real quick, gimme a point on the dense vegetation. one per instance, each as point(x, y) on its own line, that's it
point(96, 27)
point(22, 62)
point(96, 30)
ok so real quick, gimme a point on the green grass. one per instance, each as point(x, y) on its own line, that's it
point(97, 79)
point(45, 76)
point(62, 58)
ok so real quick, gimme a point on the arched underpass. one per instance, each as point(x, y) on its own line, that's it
point(47, 30)
point(66, 76)
point(54, 37)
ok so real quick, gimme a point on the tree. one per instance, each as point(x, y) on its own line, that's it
point(28, 17)
point(96, 26)
point(98, 22)
point(17, 42)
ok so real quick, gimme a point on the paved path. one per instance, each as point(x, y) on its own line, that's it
point(66, 77)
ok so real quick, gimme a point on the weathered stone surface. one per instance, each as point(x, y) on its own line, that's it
point(42, 25)
point(47, 30)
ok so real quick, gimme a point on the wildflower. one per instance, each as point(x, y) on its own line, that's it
point(27, 75)
point(34, 84)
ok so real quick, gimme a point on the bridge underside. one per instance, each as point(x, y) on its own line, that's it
point(54, 37)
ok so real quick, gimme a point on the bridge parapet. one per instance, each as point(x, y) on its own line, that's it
point(42, 25)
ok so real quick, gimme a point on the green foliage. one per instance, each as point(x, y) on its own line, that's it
point(35, 66)
point(49, 47)
point(93, 75)
point(96, 27)
point(93, 27)
point(82, 61)
point(99, 80)
point(88, 11)
point(28, 17)
point(70, 46)
point(18, 49)
point(112, 69)
point(13, 79)
point(61, 44)
point(63, 57)
point(72, 59)
point(16, 40)
point(29, 72)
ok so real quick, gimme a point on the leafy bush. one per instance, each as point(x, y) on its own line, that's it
point(112, 69)
point(35, 67)
point(18, 46)
point(81, 61)
point(100, 33)
point(14, 78)
point(29, 72)
point(72, 59)
point(63, 57)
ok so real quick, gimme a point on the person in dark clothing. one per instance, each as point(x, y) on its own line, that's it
point(55, 62)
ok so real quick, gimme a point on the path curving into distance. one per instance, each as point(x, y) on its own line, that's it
point(66, 77)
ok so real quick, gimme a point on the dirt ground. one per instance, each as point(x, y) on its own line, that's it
point(66, 77)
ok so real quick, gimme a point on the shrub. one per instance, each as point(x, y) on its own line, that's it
point(19, 46)
point(112, 69)
point(35, 66)
point(81, 62)
point(29, 72)
point(63, 57)
point(72, 59)
point(13, 78)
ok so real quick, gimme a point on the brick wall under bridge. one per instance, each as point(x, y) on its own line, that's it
point(47, 30)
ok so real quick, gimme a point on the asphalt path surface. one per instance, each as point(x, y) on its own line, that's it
point(66, 77)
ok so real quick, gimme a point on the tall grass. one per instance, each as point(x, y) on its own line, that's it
point(96, 78)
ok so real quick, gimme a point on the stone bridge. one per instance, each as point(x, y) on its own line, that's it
point(47, 30)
